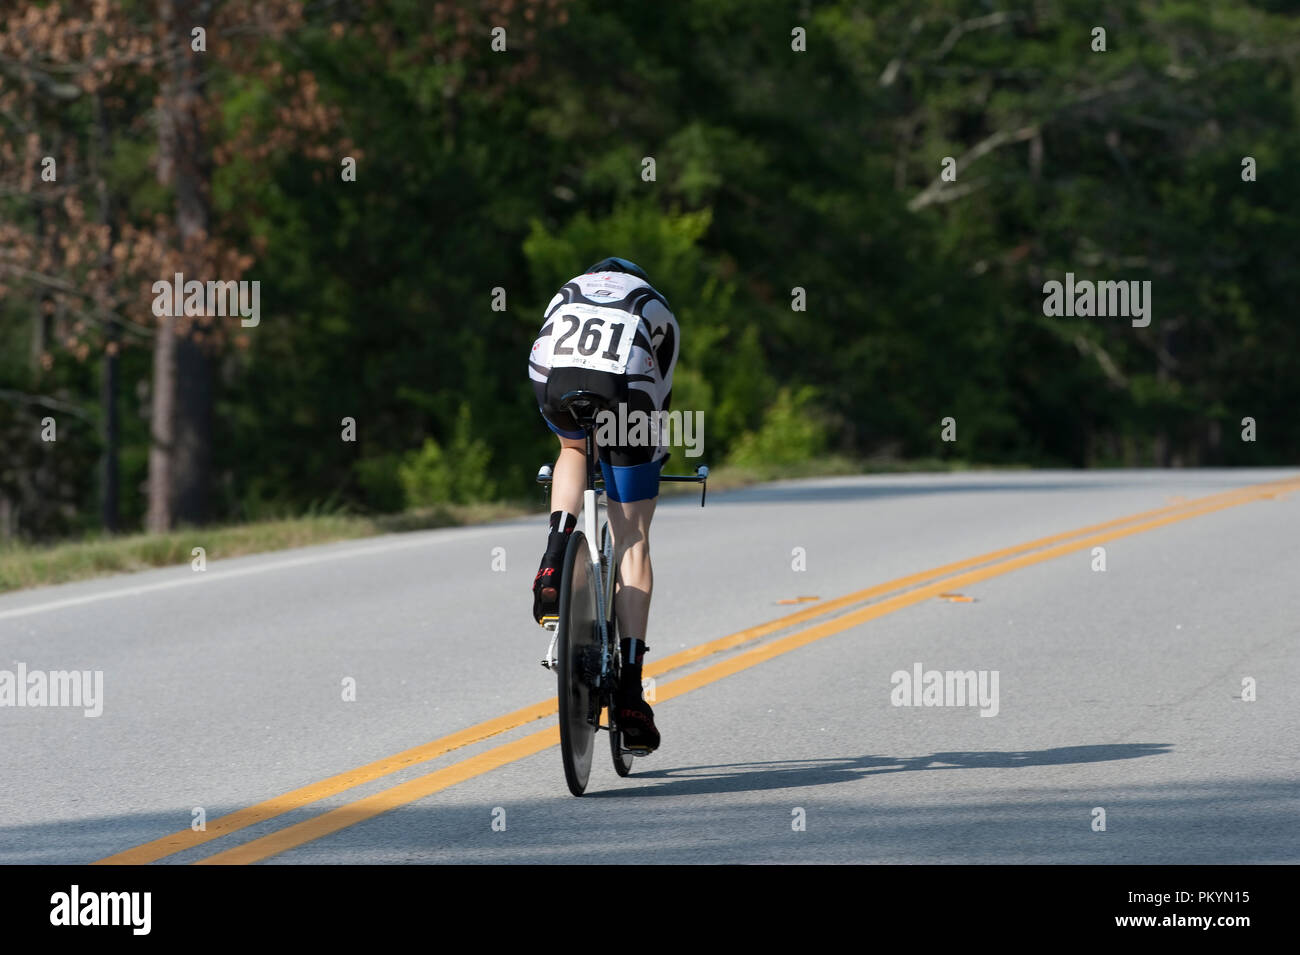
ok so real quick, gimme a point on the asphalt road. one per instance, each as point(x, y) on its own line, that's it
point(1119, 692)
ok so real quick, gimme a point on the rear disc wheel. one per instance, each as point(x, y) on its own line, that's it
point(577, 644)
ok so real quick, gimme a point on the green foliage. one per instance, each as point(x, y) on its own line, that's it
point(458, 474)
point(791, 433)
point(664, 244)
point(775, 170)
point(381, 483)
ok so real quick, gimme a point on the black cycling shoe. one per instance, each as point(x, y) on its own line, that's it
point(546, 585)
point(636, 721)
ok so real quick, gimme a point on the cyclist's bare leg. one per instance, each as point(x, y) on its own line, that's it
point(569, 476)
point(631, 525)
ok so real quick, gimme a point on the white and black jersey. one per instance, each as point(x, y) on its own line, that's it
point(605, 326)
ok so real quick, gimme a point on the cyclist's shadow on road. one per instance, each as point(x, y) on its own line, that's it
point(792, 773)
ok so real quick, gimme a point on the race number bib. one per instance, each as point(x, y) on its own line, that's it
point(589, 336)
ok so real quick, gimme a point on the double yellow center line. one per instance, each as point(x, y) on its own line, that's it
point(899, 593)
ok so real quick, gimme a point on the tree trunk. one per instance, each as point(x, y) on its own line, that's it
point(162, 428)
point(181, 456)
point(192, 468)
point(108, 488)
point(108, 477)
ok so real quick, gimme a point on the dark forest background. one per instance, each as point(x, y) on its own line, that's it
point(794, 146)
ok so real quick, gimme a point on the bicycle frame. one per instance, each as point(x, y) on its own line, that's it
point(593, 498)
point(591, 526)
point(604, 578)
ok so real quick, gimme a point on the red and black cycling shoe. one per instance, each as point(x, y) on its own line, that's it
point(546, 585)
point(636, 723)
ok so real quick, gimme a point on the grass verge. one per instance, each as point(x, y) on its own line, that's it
point(24, 565)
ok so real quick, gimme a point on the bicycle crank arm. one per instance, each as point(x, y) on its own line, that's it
point(550, 662)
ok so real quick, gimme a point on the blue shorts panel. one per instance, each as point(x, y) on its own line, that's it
point(640, 482)
point(575, 435)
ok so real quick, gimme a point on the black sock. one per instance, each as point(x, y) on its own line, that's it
point(634, 652)
point(570, 521)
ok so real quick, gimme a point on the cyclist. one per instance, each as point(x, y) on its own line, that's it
point(640, 332)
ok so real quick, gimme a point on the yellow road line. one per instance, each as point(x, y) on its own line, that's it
point(381, 802)
point(305, 795)
point(749, 635)
point(412, 790)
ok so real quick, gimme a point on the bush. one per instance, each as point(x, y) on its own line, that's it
point(457, 474)
point(790, 434)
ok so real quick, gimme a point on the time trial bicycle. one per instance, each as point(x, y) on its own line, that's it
point(584, 650)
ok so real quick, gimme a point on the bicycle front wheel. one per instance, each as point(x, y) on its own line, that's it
point(622, 760)
point(577, 649)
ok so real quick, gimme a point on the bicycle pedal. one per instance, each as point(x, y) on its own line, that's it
point(549, 623)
